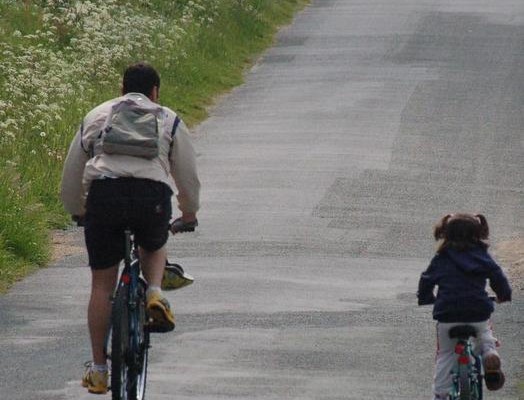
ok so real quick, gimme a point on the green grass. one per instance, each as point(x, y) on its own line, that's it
point(57, 65)
point(24, 233)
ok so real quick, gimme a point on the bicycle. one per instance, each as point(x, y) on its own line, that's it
point(128, 339)
point(467, 372)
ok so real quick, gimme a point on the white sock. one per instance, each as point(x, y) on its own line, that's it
point(153, 289)
point(99, 367)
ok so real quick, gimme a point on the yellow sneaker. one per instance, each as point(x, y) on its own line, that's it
point(160, 314)
point(94, 381)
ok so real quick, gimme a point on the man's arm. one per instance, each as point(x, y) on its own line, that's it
point(184, 173)
point(72, 191)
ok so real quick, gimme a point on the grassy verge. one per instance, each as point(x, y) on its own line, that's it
point(61, 58)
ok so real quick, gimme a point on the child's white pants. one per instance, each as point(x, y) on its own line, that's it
point(445, 358)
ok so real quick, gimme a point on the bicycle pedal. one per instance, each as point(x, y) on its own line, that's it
point(152, 328)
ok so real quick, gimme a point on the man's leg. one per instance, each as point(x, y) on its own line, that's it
point(159, 310)
point(99, 309)
point(153, 264)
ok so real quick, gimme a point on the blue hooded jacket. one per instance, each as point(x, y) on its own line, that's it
point(461, 277)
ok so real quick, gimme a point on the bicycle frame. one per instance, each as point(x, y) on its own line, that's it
point(128, 336)
point(131, 276)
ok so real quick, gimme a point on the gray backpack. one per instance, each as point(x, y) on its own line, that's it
point(132, 129)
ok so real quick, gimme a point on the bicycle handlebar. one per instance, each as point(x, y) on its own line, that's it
point(80, 220)
point(177, 226)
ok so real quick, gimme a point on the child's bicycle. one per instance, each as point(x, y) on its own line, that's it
point(467, 371)
point(127, 342)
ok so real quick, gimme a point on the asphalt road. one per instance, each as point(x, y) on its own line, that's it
point(322, 178)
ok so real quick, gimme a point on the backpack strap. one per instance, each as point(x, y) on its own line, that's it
point(86, 149)
point(175, 126)
point(173, 133)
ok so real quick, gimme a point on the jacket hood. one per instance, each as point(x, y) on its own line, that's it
point(470, 261)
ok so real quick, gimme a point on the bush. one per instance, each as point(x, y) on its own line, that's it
point(60, 58)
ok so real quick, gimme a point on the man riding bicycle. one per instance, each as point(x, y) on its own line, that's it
point(125, 162)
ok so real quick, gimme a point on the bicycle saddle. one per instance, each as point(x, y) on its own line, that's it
point(462, 331)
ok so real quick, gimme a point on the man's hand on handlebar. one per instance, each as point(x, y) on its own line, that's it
point(186, 223)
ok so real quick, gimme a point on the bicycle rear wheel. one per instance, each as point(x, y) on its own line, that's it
point(129, 345)
point(464, 384)
point(478, 372)
point(139, 343)
point(120, 344)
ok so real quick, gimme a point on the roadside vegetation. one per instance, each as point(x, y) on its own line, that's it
point(59, 58)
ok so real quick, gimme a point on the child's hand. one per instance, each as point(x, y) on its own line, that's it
point(499, 300)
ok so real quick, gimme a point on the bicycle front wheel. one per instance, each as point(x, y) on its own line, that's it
point(120, 372)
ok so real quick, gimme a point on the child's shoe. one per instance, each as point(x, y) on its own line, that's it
point(493, 375)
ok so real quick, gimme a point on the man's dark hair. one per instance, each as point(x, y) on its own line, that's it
point(140, 78)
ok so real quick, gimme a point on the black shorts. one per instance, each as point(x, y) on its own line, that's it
point(113, 205)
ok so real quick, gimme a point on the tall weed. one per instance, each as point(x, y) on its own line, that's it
point(23, 231)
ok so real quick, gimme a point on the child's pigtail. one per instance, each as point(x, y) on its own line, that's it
point(484, 228)
point(440, 229)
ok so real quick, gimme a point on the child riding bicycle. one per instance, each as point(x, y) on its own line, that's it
point(460, 269)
